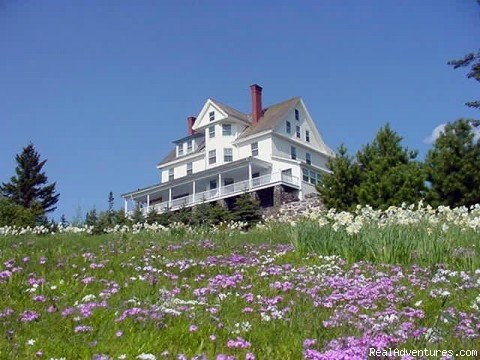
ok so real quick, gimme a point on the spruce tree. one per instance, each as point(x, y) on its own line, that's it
point(28, 187)
point(389, 173)
point(338, 189)
point(218, 214)
point(247, 209)
point(453, 165)
point(110, 211)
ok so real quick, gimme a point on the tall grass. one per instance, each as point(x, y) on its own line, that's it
point(392, 244)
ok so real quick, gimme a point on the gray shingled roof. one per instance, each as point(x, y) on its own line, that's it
point(271, 116)
point(172, 155)
point(233, 112)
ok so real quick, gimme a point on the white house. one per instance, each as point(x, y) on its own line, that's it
point(270, 152)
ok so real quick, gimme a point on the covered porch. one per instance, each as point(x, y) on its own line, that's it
point(210, 185)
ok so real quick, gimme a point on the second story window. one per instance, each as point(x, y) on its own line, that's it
point(227, 129)
point(289, 127)
point(254, 147)
point(297, 132)
point(212, 156)
point(293, 152)
point(180, 150)
point(211, 115)
point(308, 158)
point(297, 115)
point(307, 135)
point(305, 174)
point(171, 174)
point(227, 155)
point(211, 131)
point(189, 168)
point(189, 146)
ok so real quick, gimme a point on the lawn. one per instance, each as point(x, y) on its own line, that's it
point(317, 288)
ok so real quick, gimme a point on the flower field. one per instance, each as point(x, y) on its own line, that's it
point(323, 286)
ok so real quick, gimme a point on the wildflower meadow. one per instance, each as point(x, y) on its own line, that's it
point(321, 285)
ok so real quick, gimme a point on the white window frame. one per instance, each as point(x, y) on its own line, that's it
point(211, 131)
point(211, 115)
point(254, 148)
point(171, 174)
point(212, 157)
point(189, 168)
point(298, 131)
point(227, 157)
point(227, 126)
point(307, 135)
point(180, 149)
point(308, 158)
point(293, 152)
point(189, 146)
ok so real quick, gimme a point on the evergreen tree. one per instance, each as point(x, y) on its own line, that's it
point(137, 216)
point(453, 165)
point(12, 214)
point(63, 221)
point(110, 212)
point(339, 189)
point(28, 188)
point(201, 214)
point(91, 218)
point(389, 173)
point(472, 60)
point(218, 214)
point(247, 209)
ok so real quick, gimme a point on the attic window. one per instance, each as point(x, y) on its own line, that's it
point(307, 135)
point(180, 149)
point(297, 115)
point(298, 132)
point(189, 146)
point(211, 115)
point(289, 127)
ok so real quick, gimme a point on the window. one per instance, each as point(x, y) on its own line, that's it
point(227, 129)
point(313, 177)
point(228, 181)
point(298, 131)
point(305, 174)
point(171, 174)
point(180, 150)
point(289, 127)
point(189, 146)
point(213, 184)
point(254, 147)
point(211, 131)
point(307, 135)
point(308, 158)
point(293, 152)
point(227, 155)
point(189, 168)
point(212, 156)
point(211, 115)
point(297, 115)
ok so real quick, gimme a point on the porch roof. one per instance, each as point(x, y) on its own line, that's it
point(200, 175)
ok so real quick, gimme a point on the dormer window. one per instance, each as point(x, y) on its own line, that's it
point(211, 131)
point(180, 149)
point(189, 146)
point(211, 115)
point(297, 115)
point(227, 129)
point(307, 135)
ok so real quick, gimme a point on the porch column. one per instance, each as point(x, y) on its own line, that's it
point(249, 175)
point(193, 191)
point(148, 203)
point(126, 206)
point(219, 183)
point(169, 197)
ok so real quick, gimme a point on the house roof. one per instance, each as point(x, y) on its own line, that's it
point(172, 155)
point(231, 111)
point(271, 116)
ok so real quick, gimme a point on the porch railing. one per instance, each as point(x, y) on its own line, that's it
point(225, 191)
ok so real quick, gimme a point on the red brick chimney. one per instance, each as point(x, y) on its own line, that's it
point(190, 122)
point(256, 91)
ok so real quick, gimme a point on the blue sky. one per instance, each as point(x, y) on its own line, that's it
point(103, 87)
